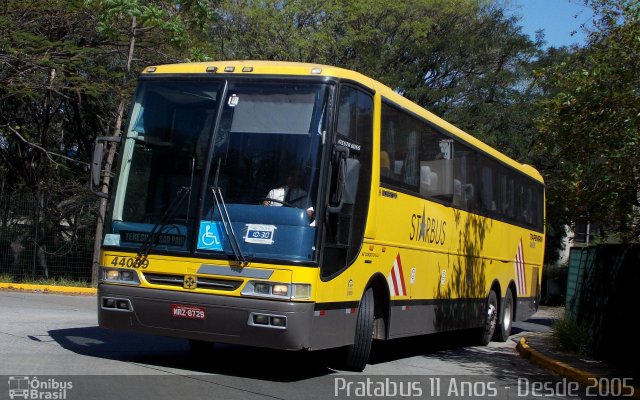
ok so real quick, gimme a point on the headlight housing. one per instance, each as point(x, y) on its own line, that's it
point(278, 290)
point(300, 291)
point(119, 275)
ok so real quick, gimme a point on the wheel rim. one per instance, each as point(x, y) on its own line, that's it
point(506, 318)
point(492, 319)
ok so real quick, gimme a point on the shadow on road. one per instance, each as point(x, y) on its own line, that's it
point(274, 365)
point(166, 352)
point(542, 321)
point(427, 345)
point(241, 361)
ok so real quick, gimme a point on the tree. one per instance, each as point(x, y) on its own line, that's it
point(44, 115)
point(139, 30)
point(66, 77)
point(464, 60)
point(590, 129)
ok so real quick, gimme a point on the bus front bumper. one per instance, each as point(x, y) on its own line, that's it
point(212, 318)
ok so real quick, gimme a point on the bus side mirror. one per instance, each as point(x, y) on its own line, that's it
point(346, 186)
point(95, 182)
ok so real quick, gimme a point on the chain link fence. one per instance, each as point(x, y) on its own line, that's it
point(42, 239)
point(602, 289)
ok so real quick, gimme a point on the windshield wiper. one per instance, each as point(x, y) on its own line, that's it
point(226, 220)
point(151, 240)
point(228, 227)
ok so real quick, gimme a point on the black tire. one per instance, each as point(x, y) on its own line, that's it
point(200, 347)
point(503, 329)
point(358, 352)
point(490, 319)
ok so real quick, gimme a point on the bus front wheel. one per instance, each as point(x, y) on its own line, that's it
point(490, 318)
point(358, 352)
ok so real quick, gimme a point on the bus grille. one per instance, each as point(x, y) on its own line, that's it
point(218, 284)
point(204, 283)
point(171, 280)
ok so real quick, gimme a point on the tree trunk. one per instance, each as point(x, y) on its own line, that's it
point(111, 151)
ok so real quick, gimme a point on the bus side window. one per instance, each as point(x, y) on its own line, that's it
point(486, 190)
point(347, 115)
point(508, 195)
point(489, 186)
point(436, 165)
point(385, 164)
point(529, 207)
point(465, 184)
point(399, 149)
point(524, 212)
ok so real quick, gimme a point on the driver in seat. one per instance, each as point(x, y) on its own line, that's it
point(291, 195)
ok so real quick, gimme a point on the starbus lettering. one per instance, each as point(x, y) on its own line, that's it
point(427, 230)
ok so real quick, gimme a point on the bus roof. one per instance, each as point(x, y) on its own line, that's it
point(255, 67)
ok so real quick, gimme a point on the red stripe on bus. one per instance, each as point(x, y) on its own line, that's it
point(404, 288)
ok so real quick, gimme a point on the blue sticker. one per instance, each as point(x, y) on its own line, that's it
point(209, 237)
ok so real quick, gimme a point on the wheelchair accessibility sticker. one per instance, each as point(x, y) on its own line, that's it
point(210, 236)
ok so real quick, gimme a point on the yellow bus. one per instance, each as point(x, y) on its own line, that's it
point(300, 206)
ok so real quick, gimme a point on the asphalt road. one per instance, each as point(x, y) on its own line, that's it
point(55, 340)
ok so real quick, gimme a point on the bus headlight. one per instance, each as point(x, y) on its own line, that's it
point(262, 288)
point(280, 290)
point(111, 274)
point(300, 291)
point(118, 275)
point(128, 275)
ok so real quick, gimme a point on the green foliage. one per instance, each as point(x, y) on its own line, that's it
point(10, 278)
point(115, 19)
point(462, 59)
point(64, 68)
point(590, 129)
point(42, 55)
point(65, 75)
point(570, 336)
point(69, 282)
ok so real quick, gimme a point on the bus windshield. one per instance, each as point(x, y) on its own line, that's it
point(255, 145)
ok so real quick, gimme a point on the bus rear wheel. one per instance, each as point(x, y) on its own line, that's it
point(503, 330)
point(490, 319)
point(358, 352)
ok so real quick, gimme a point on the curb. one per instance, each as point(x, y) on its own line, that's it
point(48, 288)
point(568, 371)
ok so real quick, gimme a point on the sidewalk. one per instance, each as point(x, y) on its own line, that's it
point(541, 349)
point(72, 290)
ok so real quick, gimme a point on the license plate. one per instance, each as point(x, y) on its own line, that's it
point(189, 312)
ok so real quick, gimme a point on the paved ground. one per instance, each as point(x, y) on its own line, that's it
point(57, 336)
